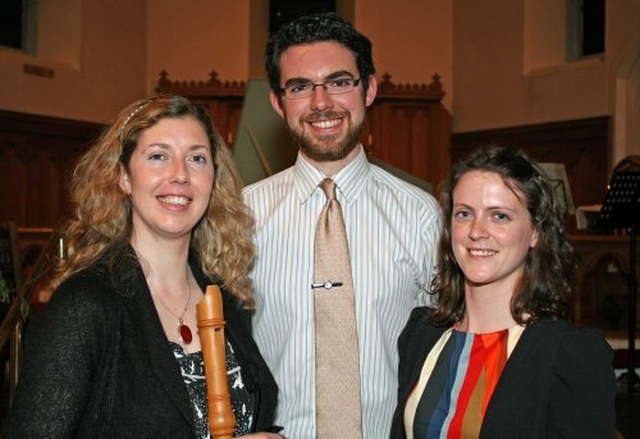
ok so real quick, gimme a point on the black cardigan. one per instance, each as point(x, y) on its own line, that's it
point(557, 383)
point(97, 363)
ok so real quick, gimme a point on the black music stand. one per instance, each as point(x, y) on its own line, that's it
point(621, 209)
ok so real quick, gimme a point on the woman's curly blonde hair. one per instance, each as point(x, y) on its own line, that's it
point(102, 211)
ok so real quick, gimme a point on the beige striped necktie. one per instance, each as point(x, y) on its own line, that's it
point(338, 412)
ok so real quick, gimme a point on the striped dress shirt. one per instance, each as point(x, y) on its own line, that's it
point(392, 229)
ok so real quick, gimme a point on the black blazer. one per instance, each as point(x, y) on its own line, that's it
point(97, 363)
point(557, 383)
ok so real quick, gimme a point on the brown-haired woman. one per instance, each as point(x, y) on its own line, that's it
point(497, 358)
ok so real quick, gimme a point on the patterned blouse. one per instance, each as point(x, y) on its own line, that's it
point(242, 402)
point(456, 383)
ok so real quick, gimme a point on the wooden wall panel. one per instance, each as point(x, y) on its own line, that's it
point(602, 298)
point(13, 193)
point(409, 128)
point(582, 145)
point(37, 154)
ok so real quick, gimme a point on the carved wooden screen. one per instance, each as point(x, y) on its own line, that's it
point(407, 126)
point(223, 100)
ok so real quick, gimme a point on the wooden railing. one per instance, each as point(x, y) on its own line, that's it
point(23, 293)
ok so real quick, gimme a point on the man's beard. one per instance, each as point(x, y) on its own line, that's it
point(327, 148)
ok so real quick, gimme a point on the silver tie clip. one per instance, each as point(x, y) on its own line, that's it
point(327, 284)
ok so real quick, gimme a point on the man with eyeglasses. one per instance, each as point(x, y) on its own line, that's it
point(321, 76)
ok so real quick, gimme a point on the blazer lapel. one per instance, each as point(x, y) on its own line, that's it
point(418, 349)
point(519, 383)
point(526, 352)
point(158, 350)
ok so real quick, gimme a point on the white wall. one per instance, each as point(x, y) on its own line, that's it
point(412, 40)
point(124, 44)
point(490, 54)
point(98, 67)
point(190, 39)
point(503, 78)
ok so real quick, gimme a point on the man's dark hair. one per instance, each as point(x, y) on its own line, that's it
point(315, 28)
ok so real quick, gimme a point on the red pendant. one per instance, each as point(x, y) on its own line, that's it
point(185, 334)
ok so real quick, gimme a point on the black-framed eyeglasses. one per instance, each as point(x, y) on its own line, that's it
point(334, 86)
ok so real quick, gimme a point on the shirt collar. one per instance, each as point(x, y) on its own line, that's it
point(350, 180)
